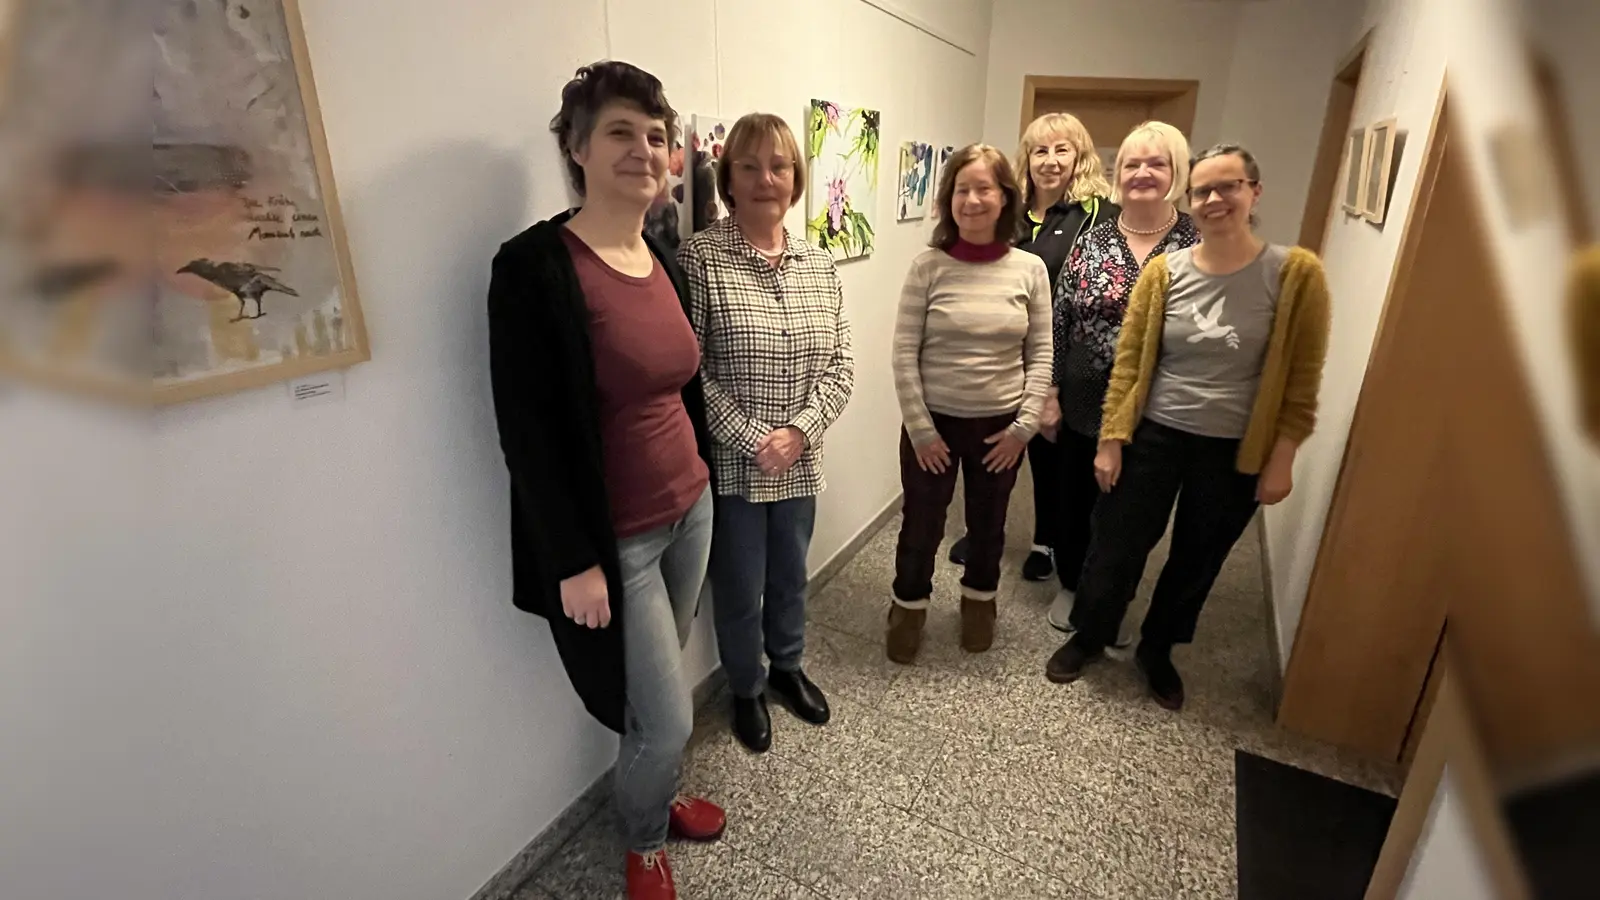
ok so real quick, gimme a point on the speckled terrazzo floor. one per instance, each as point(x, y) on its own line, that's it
point(971, 777)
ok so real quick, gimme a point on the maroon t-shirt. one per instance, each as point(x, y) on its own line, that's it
point(644, 353)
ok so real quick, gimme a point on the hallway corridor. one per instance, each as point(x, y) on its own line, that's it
point(970, 777)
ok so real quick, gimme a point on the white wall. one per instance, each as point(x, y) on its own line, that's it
point(1447, 864)
point(326, 692)
point(1112, 39)
point(1283, 67)
point(1403, 76)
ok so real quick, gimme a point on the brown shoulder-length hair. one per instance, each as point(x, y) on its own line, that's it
point(945, 232)
point(745, 138)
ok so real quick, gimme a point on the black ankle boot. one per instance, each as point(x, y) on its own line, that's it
point(803, 697)
point(1166, 685)
point(752, 724)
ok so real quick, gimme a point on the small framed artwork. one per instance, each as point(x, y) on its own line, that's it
point(1379, 163)
point(1355, 157)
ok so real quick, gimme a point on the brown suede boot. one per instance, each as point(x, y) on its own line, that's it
point(977, 624)
point(904, 637)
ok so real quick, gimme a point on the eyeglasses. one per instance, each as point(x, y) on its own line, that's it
point(1224, 189)
point(750, 168)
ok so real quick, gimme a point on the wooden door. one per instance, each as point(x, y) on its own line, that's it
point(1111, 107)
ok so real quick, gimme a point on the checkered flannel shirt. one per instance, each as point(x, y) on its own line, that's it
point(775, 352)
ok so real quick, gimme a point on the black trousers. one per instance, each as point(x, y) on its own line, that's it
point(1215, 504)
point(1074, 501)
point(1044, 458)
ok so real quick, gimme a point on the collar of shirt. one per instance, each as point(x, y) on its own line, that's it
point(734, 239)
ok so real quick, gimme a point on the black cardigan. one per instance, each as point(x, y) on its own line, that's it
point(547, 407)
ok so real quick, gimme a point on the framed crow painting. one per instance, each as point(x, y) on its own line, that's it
point(217, 262)
point(254, 282)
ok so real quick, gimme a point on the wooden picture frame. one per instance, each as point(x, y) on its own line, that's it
point(313, 334)
point(1355, 163)
point(1377, 170)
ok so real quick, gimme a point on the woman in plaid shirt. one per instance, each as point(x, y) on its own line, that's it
point(778, 371)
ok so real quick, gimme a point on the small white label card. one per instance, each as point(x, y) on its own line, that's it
point(311, 390)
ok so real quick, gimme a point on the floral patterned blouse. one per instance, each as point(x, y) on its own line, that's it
point(1091, 298)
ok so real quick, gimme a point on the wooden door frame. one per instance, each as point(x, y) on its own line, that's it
point(1326, 189)
point(1303, 694)
point(1449, 739)
point(1186, 92)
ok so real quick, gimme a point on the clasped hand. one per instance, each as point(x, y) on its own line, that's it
point(779, 450)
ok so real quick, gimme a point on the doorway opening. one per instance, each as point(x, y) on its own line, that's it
point(1111, 107)
point(1322, 200)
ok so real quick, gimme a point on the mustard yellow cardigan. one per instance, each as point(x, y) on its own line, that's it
point(1291, 376)
point(1584, 309)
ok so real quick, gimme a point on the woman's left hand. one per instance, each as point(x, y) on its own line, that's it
point(1006, 452)
point(779, 450)
point(1276, 481)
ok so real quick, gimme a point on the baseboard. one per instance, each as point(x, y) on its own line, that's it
point(510, 879)
point(842, 557)
point(515, 874)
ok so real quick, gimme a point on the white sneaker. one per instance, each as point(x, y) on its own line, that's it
point(1060, 615)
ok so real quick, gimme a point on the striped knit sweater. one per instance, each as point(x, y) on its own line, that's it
point(972, 339)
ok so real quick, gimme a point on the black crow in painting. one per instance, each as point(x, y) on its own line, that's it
point(246, 281)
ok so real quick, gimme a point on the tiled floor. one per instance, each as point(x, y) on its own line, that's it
point(970, 777)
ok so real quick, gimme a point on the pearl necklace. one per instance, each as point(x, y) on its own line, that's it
point(1126, 229)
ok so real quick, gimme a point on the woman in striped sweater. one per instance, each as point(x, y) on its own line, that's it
point(972, 357)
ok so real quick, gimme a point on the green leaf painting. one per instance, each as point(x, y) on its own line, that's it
point(842, 193)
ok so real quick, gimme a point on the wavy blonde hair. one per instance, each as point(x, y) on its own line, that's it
point(1171, 143)
point(1088, 174)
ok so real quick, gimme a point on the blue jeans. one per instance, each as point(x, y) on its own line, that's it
point(663, 572)
point(758, 584)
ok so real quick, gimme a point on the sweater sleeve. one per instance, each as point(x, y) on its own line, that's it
point(906, 355)
point(1313, 311)
point(1119, 415)
point(728, 424)
point(1038, 353)
point(532, 414)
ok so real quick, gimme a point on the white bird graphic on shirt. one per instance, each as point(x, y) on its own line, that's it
point(1210, 327)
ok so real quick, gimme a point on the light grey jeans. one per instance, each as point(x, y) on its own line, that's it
point(663, 572)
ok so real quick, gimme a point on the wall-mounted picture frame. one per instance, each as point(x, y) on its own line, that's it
point(1378, 167)
point(1355, 158)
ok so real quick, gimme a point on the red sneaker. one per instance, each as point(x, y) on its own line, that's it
point(695, 819)
point(649, 877)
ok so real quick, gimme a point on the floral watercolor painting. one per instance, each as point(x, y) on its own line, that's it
point(916, 177)
point(669, 215)
point(705, 154)
point(842, 196)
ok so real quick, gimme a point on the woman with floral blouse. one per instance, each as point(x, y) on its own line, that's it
point(1151, 172)
point(777, 369)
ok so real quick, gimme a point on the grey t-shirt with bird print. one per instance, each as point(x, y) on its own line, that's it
point(1213, 343)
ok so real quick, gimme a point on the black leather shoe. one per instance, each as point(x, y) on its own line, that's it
point(958, 551)
point(1166, 685)
point(802, 697)
point(751, 723)
point(1067, 664)
point(1038, 567)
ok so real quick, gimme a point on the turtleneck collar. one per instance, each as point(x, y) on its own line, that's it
point(966, 251)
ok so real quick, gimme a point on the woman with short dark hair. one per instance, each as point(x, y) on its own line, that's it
point(971, 365)
point(595, 371)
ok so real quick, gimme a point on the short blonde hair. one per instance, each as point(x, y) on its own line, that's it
point(745, 138)
point(1170, 142)
point(1088, 174)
